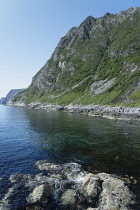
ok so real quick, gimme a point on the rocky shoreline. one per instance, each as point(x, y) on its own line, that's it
point(120, 113)
point(68, 187)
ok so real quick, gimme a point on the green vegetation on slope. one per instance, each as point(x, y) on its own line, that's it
point(91, 55)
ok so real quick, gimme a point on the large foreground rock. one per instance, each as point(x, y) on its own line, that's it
point(66, 186)
point(115, 194)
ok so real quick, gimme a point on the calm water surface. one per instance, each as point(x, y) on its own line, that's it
point(97, 144)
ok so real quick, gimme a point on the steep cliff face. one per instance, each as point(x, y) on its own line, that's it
point(97, 62)
point(2, 100)
point(12, 93)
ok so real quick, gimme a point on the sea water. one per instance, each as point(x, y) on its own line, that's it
point(98, 144)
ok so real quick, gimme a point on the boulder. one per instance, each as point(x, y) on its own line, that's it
point(44, 165)
point(115, 194)
point(39, 195)
point(69, 197)
point(18, 178)
point(69, 187)
point(91, 185)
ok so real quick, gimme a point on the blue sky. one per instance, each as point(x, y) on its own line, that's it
point(31, 29)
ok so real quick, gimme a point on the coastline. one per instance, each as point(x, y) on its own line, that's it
point(117, 112)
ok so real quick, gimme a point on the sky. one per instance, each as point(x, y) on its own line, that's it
point(31, 29)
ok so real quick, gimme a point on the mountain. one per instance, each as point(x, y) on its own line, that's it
point(95, 63)
point(2, 100)
point(12, 93)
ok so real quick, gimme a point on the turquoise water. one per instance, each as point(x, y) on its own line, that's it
point(97, 144)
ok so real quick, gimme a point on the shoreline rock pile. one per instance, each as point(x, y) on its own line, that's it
point(117, 112)
point(66, 186)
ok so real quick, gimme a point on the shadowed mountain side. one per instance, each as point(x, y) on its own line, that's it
point(12, 93)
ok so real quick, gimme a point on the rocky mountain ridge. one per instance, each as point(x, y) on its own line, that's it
point(11, 94)
point(95, 63)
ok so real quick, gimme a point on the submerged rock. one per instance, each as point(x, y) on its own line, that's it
point(18, 178)
point(66, 186)
point(73, 172)
point(45, 165)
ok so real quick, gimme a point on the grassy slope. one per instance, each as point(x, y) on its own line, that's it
point(111, 53)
